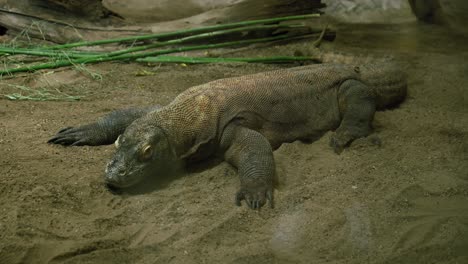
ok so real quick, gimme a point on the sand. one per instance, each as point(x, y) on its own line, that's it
point(403, 202)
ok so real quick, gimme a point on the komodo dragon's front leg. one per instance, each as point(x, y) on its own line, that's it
point(102, 132)
point(251, 153)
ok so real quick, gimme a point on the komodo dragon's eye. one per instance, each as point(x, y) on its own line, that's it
point(146, 153)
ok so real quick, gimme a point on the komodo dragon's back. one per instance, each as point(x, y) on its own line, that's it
point(243, 119)
point(284, 105)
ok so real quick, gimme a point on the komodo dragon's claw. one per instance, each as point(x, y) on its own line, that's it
point(337, 146)
point(64, 129)
point(339, 142)
point(70, 136)
point(255, 199)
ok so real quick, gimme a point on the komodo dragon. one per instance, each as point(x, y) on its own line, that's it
point(243, 119)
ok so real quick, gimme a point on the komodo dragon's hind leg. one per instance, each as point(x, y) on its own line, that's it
point(357, 108)
point(251, 153)
point(102, 132)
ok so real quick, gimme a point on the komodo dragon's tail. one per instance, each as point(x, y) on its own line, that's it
point(386, 79)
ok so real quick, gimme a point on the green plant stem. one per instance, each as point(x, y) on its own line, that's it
point(43, 53)
point(78, 55)
point(198, 37)
point(62, 63)
point(182, 32)
point(195, 60)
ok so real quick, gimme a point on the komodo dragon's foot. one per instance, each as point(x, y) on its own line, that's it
point(255, 195)
point(339, 141)
point(75, 136)
point(102, 132)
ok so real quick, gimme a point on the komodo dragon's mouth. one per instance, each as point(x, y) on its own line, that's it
point(118, 176)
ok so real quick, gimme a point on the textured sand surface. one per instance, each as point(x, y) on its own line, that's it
point(403, 202)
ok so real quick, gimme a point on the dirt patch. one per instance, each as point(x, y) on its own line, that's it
point(403, 202)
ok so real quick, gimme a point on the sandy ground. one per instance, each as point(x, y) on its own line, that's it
point(403, 202)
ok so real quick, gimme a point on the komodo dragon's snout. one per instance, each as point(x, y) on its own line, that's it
point(141, 151)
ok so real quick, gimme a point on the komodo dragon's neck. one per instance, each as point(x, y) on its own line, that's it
point(188, 123)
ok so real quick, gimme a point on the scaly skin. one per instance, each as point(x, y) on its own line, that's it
point(244, 119)
point(102, 132)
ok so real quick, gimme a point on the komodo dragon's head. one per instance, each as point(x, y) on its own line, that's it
point(142, 150)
